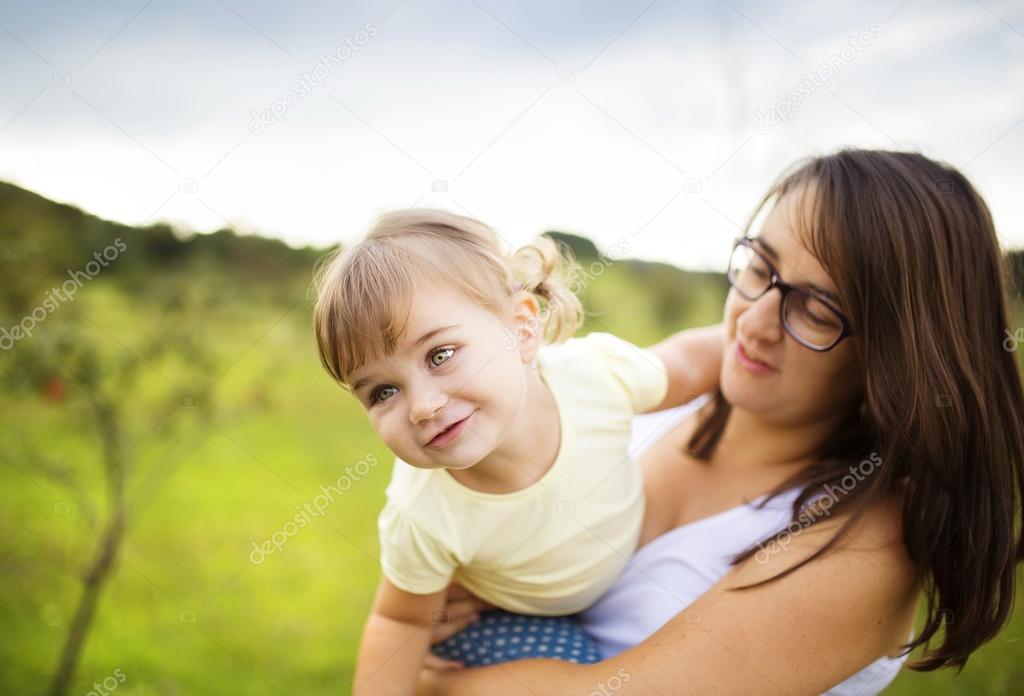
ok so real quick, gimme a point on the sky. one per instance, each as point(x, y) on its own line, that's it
point(652, 127)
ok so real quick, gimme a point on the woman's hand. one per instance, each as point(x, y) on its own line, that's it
point(461, 609)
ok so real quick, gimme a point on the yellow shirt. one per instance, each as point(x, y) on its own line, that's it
point(554, 547)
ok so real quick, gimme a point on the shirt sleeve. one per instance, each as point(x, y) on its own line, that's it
point(639, 371)
point(411, 557)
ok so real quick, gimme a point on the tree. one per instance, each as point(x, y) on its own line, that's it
point(51, 347)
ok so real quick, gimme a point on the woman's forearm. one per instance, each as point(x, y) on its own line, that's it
point(527, 677)
point(797, 634)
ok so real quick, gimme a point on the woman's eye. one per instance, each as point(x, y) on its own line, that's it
point(819, 319)
point(441, 356)
point(382, 394)
point(758, 268)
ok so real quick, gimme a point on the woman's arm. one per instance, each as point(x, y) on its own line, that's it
point(800, 634)
point(693, 359)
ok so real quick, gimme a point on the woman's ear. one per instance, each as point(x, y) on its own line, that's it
point(527, 325)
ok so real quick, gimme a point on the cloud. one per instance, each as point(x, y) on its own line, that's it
point(655, 138)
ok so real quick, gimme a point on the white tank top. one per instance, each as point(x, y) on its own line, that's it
point(672, 571)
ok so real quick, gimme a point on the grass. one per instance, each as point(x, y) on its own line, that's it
point(187, 612)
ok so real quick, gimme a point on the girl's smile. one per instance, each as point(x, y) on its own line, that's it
point(449, 433)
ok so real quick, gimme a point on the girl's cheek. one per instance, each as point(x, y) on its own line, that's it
point(383, 428)
point(391, 439)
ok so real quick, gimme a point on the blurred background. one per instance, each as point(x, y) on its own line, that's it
point(170, 174)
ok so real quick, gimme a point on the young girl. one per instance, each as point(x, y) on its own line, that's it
point(512, 474)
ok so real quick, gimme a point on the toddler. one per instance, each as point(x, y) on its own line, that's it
point(512, 474)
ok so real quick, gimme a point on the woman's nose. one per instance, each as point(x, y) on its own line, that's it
point(760, 319)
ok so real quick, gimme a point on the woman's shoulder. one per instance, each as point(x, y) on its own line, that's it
point(878, 533)
point(881, 524)
point(871, 541)
point(879, 527)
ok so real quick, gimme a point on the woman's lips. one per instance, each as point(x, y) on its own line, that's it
point(755, 366)
point(446, 436)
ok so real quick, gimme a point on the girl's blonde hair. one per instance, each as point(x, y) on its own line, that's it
point(364, 294)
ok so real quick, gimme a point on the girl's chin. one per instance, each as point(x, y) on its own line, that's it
point(459, 466)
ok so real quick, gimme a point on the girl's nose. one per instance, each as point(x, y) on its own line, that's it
point(425, 404)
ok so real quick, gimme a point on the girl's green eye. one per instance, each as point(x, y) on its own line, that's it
point(440, 357)
point(382, 394)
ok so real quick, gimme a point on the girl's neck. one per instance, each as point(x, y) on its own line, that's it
point(527, 450)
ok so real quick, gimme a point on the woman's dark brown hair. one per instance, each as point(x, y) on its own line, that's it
point(912, 250)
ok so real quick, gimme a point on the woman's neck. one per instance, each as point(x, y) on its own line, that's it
point(751, 441)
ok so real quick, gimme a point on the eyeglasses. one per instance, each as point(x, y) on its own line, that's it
point(812, 320)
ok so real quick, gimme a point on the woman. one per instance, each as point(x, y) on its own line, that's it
point(865, 399)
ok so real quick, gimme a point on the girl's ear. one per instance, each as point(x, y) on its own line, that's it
point(527, 325)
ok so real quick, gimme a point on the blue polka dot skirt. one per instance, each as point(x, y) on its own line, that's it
point(499, 636)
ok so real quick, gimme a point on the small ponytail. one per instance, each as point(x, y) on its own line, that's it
point(550, 272)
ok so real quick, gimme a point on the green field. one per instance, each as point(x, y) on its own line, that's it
point(223, 457)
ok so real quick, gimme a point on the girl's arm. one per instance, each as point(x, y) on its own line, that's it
point(693, 360)
point(800, 634)
point(395, 641)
